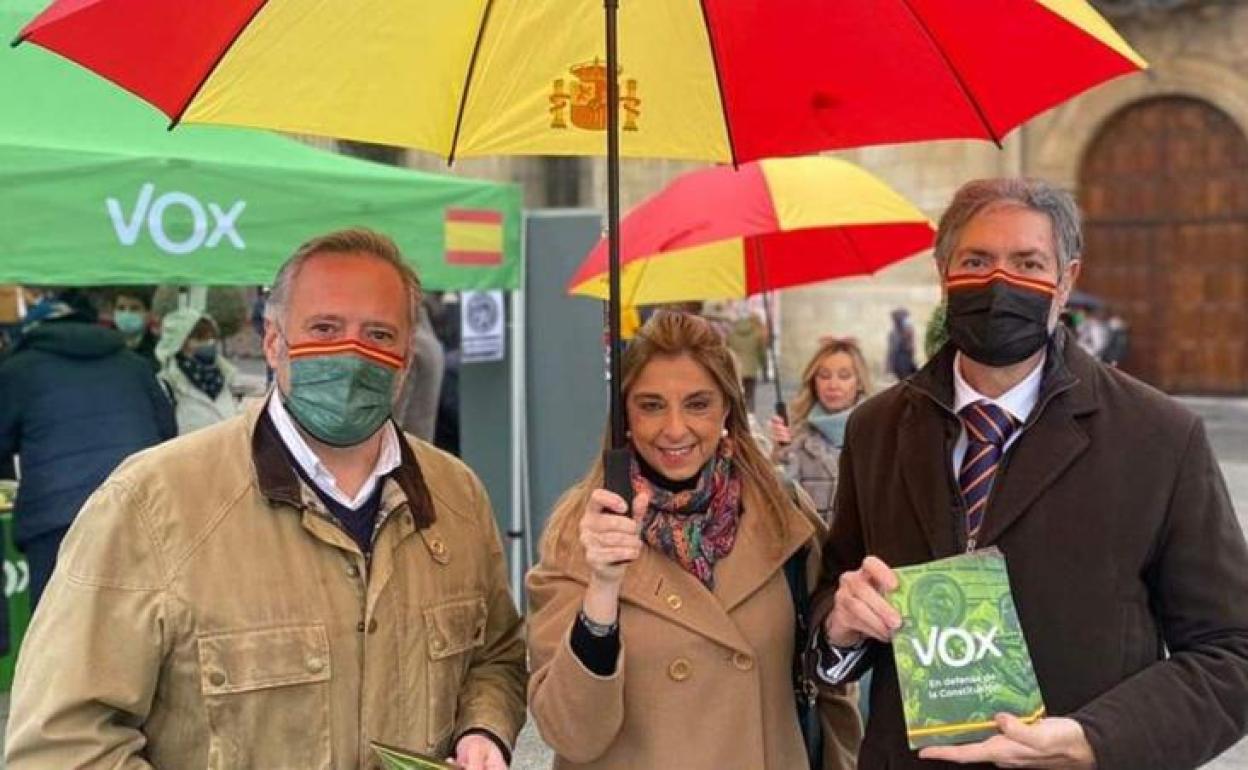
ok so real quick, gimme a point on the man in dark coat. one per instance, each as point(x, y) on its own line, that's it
point(1128, 567)
point(74, 403)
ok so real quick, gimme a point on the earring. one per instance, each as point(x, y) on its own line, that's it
point(723, 433)
point(628, 434)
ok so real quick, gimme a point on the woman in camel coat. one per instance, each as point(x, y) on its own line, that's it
point(665, 638)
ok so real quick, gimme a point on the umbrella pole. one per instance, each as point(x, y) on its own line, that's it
point(781, 408)
point(617, 460)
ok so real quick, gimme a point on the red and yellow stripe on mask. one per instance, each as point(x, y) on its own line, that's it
point(966, 282)
point(346, 347)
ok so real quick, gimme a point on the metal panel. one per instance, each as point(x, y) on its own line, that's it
point(567, 394)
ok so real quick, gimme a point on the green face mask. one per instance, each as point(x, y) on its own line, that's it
point(341, 392)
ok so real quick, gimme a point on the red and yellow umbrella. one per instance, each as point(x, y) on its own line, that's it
point(715, 80)
point(723, 232)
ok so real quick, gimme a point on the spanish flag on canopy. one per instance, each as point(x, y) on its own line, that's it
point(474, 237)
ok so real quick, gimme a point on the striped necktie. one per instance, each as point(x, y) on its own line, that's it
point(988, 428)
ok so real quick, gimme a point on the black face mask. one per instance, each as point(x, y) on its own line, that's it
point(999, 319)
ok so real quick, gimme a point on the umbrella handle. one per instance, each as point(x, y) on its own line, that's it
point(617, 473)
point(782, 411)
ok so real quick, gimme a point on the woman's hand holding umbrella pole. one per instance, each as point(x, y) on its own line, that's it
point(612, 541)
point(780, 433)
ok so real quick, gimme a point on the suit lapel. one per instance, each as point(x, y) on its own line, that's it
point(754, 560)
point(659, 585)
point(1046, 449)
point(923, 452)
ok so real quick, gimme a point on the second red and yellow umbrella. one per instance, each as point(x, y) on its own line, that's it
point(721, 232)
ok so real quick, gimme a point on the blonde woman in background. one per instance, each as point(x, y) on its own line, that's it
point(833, 383)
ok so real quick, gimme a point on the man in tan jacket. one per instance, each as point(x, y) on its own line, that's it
point(281, 589)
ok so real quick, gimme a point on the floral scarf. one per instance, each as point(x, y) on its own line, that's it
point(695, 527)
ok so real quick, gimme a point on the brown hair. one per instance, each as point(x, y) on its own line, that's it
point(669, 334)
point(807, 395)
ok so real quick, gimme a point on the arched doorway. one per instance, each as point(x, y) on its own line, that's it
point(1164, 189)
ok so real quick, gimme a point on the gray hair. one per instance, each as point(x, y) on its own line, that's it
point(356, 240)
point(1034, 194)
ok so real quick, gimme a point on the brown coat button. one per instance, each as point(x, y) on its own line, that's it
point(372, 626)
point(674, 601)
point(742, 661)
point(315, 665)
point(680, 670)
point(217, 678)
point(360, 626)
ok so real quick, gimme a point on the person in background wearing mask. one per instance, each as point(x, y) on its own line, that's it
point(198, 378)
point(1126, 561)
point(132, 317)
point(74, 403)
point(833, 383)
point(287, 586)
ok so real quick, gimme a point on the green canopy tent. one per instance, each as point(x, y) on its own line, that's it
point(95, 190)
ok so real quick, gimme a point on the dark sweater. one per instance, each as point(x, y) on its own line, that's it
point(358, 522)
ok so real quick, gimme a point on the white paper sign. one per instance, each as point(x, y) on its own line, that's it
point(484, 326)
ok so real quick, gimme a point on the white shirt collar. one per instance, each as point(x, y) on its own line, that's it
point(1018, 400)
point(387, 459)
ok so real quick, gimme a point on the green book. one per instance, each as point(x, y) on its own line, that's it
point(961, 656)
point(402, 759)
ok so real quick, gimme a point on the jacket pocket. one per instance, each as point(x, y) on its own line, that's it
point(454, 629)
point(266, 692)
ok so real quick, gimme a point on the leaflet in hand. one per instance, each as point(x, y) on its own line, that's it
point(961, 656)
point(401, 759)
